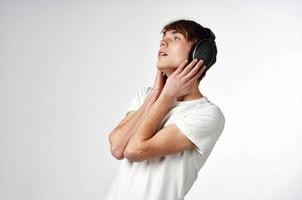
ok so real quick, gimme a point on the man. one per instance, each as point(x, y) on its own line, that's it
point(170, 129)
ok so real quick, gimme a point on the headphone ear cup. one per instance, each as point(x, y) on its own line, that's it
point(190, 58)
point(205, 50)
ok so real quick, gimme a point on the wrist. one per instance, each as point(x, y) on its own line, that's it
point(168, 99)
point(155, 93)
point(150, 100)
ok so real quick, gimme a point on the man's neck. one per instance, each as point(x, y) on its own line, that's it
point(195, 94)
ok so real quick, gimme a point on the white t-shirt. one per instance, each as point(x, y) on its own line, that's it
point(170, 177)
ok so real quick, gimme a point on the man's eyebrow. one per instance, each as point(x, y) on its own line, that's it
point(172, 32)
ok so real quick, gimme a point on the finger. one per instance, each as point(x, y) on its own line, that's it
point(197, 75)
point(201, 71)
point(159, 74)
point(189, 67)
point(195, 70)
point(158, 77)
point(181, 66)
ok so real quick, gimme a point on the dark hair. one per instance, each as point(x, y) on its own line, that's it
point(192, 31)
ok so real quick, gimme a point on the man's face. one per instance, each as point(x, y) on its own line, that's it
point(177, 49)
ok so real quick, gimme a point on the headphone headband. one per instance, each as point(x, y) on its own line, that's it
point(212, 35)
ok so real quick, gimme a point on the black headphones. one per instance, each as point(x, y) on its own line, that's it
point(204, 49)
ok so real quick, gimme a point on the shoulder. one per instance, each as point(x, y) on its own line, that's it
point(146, 89)
point(208, 107)
point(209, 112)
point(142, 92)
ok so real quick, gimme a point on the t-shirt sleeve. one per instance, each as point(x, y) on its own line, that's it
point(138, 99)
point(203, 126)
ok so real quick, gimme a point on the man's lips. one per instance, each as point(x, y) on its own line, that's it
point(162, 53)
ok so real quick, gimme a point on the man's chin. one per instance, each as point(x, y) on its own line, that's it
point(163, 66)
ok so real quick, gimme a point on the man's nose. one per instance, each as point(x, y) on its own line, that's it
point(163, 42)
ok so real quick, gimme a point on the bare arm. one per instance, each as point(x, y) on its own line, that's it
point(121, 135)
point(144, 144)
point(147, 126)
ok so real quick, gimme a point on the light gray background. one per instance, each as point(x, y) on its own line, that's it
point(69, 70)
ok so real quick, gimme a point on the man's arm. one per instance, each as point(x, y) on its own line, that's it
point(148, 126)
point(121, 135)
point(146, 142)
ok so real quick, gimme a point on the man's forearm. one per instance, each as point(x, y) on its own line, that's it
point(121, 135)
point(151, 120)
